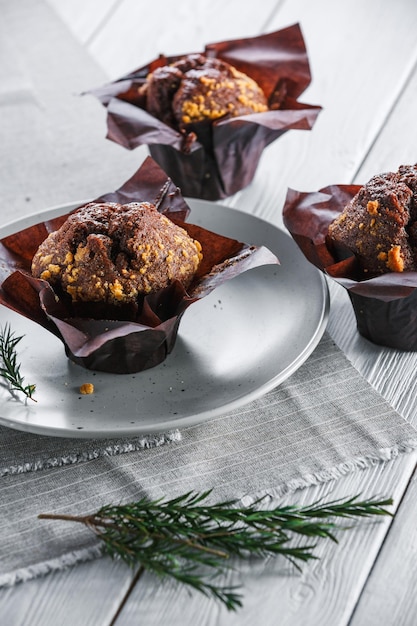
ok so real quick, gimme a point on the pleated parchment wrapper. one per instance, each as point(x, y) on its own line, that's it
point(385, 306)
point(224, 158)
point(138, 337)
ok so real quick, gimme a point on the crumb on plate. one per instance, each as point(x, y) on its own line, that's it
point(87, 388)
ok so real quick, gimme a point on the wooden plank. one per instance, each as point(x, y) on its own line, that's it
point(87, 594)
point(41, 106)
point(83, 17)
point(389, 596)
point(396, 143)
point(133, 35)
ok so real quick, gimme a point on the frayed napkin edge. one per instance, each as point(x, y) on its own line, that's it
point(382, 455)
point(148, 441)
point(58, 564)
point(69, 559)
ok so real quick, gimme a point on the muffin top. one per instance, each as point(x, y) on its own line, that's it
point(113, 253)
point(379, 225)
point(198, 88)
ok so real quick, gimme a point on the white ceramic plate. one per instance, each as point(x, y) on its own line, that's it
point(233, 346)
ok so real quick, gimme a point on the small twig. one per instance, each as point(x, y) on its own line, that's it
point(9, 366)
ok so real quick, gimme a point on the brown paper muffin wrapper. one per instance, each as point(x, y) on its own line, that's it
point(136, 337)
point(225, 157)
point(385, 306)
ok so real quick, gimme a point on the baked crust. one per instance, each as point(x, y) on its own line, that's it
point(113, 253)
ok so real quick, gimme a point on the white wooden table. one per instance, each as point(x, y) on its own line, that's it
point(364, 62)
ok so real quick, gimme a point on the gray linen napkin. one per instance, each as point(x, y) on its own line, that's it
point(323, 422)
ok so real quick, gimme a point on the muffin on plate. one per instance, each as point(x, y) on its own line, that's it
point(113, 277)
point(365, 238)
point(113, 253)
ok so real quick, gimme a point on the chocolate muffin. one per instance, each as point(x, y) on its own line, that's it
point(379, 224)
point(113, 253)
point(198, 88)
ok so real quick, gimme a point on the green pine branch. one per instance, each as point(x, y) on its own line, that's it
point(191, 541)
point(9, 365)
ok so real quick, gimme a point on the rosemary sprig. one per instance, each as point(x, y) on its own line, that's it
point(9, 366)
point(192, 541)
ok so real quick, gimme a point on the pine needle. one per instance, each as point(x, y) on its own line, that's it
point(9, 365)
point(193, 542)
